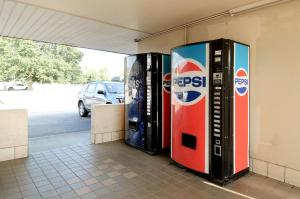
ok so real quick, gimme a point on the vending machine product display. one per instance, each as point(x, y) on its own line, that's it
point(147, 101)
point(210, 108)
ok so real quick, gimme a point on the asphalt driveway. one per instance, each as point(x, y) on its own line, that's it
point(53, 123)
point(52, 109)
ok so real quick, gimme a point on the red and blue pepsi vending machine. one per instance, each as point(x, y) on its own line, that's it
point(148, 101)
point(210, 108)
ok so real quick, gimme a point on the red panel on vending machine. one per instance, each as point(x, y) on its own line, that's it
point(190, 103)
point(241, 107)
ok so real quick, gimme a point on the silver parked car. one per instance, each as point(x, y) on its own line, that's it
point(98, 92)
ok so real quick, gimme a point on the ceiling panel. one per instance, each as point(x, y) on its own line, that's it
point(42, 24)
point(14, 17)
point(144, 15)
point(110, 25)
point(23, 19)
point(6, 11)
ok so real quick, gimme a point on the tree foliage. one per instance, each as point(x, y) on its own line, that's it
point(93, 74)
point(31, 61)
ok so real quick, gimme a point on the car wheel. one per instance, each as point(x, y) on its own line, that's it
point(10, 89)
point(82, 110)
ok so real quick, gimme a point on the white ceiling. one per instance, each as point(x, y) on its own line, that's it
point(110, 25)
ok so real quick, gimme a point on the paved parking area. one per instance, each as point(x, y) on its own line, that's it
point(52, 109)
point(58, 122)
point(115, 170)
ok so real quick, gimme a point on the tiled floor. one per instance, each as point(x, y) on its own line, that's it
point(114, 170)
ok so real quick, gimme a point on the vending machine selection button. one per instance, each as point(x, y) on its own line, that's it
point(217, 102)
point(217, 130)
point(217, 121)
point(217, 111)
point(217, 125)
point(217, 116)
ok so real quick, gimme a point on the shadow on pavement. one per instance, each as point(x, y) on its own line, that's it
point(51, 142)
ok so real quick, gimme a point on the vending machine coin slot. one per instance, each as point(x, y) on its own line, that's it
point(217, 150)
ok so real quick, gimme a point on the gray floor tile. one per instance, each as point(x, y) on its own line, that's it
point(49, 194)
point(114, 170)
point(69, 195)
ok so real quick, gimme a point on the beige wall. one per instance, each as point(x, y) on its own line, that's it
point(274, 36)
point(107, 123)
point(13, 133)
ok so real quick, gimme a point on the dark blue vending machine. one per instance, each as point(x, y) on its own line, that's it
point(147, 101)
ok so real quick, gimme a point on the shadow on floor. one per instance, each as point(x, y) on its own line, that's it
point(51, 142)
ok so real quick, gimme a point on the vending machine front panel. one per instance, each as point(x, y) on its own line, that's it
point(190, 106)
point(135, 95)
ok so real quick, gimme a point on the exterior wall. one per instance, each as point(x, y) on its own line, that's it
point(13, 133)
point(107, 123)
point(273, 34)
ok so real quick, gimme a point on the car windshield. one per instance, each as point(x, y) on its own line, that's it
point(84, 87)
point(115, 88)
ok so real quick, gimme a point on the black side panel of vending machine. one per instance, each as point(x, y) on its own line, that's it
point(151, 100)
point(226, 157)
point(159, 132)
point(154, 134)
point(221, 97)
point(135, 100)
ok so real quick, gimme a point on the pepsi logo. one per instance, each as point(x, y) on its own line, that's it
point(241, 82)
point(190, 82)
point(167, 82)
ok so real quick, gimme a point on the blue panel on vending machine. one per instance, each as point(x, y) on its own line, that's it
point(147, 101)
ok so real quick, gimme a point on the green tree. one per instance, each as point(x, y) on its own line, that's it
point(29, 61)
point(92, 74)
